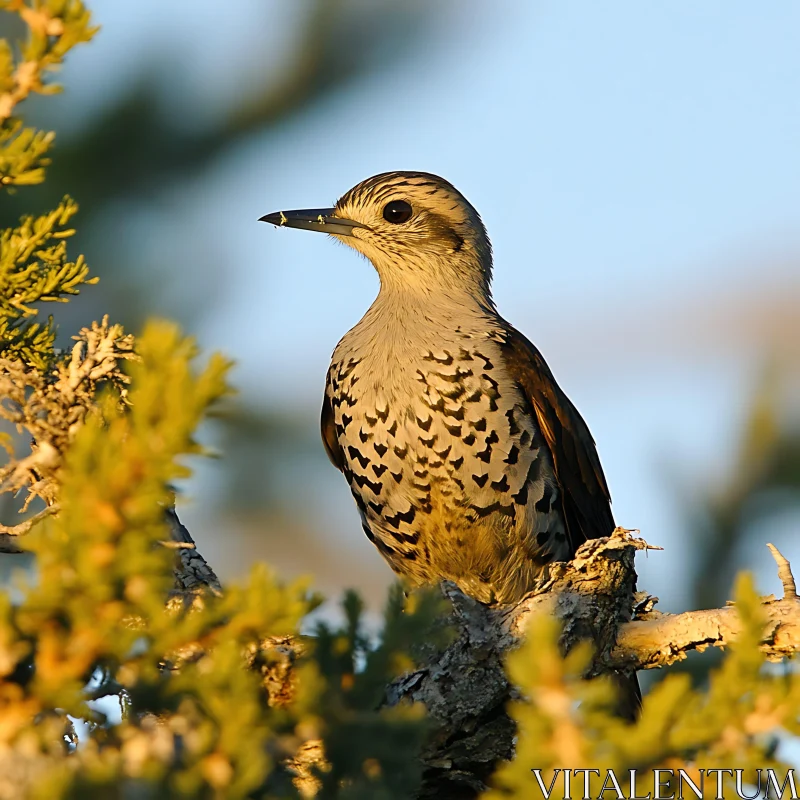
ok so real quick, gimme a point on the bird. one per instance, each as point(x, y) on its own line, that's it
point(466, 460)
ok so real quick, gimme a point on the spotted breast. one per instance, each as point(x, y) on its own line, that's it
point(446, 461)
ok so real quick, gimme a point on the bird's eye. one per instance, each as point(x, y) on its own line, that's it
point(397, 211)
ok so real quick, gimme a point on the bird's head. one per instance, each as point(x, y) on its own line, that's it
point(418, 231)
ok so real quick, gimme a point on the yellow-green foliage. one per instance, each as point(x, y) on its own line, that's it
point(34, 268)
point(53, 28)
point(23, 151)
point(106, 430)
point(564, 722)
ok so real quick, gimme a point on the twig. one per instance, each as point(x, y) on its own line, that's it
point(179, 545)
point(9, 534)
point(24, 527)
point(784, 573)
point(668, 638)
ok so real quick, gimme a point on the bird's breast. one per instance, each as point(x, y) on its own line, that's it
point(436, 440)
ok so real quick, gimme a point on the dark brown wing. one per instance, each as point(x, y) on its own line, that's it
point(585, 497)
point(329, 437)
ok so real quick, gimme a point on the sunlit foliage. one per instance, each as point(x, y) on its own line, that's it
point(193, 700)
point(565, 723)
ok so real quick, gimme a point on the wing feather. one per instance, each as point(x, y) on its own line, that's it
point(328, 427)
point(585, 497)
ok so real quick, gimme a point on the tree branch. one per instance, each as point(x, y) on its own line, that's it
point(465, 688)
point(659, 640)
point(784, 573)
point(9, 543)
point(193, 575)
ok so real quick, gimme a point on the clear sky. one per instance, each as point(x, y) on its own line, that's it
point(637, 166)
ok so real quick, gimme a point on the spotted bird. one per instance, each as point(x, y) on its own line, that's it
point(465, 458)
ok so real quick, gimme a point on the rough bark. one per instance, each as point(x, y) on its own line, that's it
point(193, 574)
point(466, 690)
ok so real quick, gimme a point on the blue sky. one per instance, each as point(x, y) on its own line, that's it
point(637, 166)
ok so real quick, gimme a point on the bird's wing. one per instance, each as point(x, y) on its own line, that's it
point(584, 492)
point(328, 426)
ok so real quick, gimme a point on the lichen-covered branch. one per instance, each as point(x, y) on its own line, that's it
point(659, 640)
point(466, 689)
point(50, 405)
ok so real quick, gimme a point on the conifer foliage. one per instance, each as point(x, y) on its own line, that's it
point(194, 702)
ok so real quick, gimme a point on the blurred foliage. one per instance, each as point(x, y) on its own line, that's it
point(337, 41)
point(565, 722)
point(109, 424)
point(334, 43)
point(763, 480)
point(357, 674)
point(761, 483)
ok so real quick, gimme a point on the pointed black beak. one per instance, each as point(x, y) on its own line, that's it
point(323, 220)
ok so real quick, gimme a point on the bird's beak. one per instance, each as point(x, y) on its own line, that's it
point(313, 219)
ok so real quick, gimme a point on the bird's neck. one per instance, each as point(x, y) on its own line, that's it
point(401, 321)
point(420, 306)
point(429, 283)
point(417, 302)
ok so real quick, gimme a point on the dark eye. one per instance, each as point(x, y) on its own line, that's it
point(397, 211)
